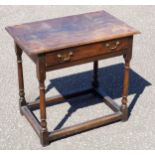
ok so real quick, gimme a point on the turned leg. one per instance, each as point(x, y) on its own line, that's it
point(41, 73)
point(124, 107)
point(22, 100)
point(95, 82)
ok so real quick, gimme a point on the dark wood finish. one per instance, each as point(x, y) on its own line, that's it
point(58, 99)
point(67, 41)
point(22, 100)
point(86, 51)
point(68, 131)
point(83, 61)
point(44, 36)
point(107, 100)
point(127, 58)
point(95, 82)
point(41, 74)
point(51, 101)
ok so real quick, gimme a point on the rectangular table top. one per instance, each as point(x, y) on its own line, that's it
point(55, 34)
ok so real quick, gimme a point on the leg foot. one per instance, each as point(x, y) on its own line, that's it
point(22, 102)
point(44, 138)
point(124, 110)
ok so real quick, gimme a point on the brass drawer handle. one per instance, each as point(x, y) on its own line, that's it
point(65, 56)
point(112, 47)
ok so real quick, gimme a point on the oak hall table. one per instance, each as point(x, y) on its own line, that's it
point(67, 41)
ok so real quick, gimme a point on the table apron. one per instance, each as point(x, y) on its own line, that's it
point(87, 60)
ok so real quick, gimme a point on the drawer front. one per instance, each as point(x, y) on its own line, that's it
point(86, 51)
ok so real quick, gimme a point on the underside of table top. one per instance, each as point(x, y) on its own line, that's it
point(65, 32)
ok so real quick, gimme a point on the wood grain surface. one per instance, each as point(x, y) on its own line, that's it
point(65, 32)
